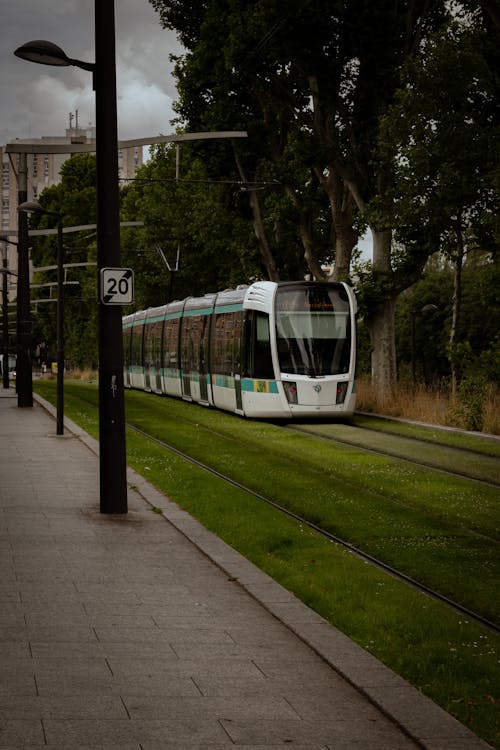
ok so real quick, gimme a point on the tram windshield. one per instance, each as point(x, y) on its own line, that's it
point(313, 329)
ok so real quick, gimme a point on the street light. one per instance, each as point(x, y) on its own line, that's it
point(35, 207)
point(24, 375)
point(5, 320)
point(5, 310)
point(112, 454)
point(48, 53)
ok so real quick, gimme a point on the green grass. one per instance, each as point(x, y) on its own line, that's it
point(412, 518)
point(456, 439)
point(476, 462)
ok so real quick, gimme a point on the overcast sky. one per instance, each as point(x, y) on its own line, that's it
point(35, 100)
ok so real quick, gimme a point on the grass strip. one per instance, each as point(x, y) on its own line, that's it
point(441, 553)
point(467, 462)
point(478, 443)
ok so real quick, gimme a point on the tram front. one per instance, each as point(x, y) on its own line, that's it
point(316, 347)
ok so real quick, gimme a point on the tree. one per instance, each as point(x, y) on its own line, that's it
point(311, 88)
point(444, 123)
point(239, 73)
point(321, 91)
point(74, 198)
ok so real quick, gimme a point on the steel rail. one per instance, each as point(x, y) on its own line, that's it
point(397, 456)
point(328, 535)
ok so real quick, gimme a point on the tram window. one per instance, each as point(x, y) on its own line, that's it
point(127, 336)
point(194, 338)
point(313, 330)
point(170, 343)
point(152, 344)
point(259, 359)
point(226, 343)
point(136, 344)
point(188, 333)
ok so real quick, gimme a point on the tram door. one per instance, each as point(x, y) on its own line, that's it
point(186, 356)
point(127, 337)
point(147, 355)
point(203, 357)
point(152, 355)
point(237, 344)
point(194, 361)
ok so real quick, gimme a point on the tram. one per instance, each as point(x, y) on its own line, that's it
point(267, 350)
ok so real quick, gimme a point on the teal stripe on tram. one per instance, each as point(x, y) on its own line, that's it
point(223, 381)
point(191, 374)
point(199, 311)
point(228, 308)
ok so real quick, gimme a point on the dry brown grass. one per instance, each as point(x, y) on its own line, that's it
point(428, 404)
point(86, 376)
point(492, 412)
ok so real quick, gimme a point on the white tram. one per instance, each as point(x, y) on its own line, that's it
point(284, 349)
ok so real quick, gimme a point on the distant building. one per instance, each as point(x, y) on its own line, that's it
point(44, 171)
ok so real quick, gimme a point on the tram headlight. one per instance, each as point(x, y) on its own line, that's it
point(290, 391)
point(341, 392)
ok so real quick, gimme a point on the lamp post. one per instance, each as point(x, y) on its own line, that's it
point(5, 309)
point(35, 207)
point(5, 321)
point(24, 376)
point(112, 454)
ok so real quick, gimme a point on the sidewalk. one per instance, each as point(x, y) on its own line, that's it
point(147, 632)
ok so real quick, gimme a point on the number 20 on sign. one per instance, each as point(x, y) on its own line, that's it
point(117, 286)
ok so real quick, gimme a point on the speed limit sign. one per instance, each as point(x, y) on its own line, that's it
point(117, 286)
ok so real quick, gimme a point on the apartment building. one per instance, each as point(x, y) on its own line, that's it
point(44, 171)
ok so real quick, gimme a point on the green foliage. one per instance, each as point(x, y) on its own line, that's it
point(441, 126)
point(74, 198)
point(425, 311)
point(363, 113)
point(193, 215)
point(471, 395)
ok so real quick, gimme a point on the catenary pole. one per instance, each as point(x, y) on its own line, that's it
point(24, 377)
point(5, 319)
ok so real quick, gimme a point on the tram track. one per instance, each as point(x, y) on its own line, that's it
point(305, 522)
point(399, 575)
point(403, 446)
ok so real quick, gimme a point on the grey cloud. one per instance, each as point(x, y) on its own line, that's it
point(36, 100)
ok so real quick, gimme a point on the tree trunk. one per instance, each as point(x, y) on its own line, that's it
point(381, 321)
point(342, 207)
point(260, 233)
point(258, 226)
point(381, 327)
point(310, 256)
point(382, 239)
point(341, 196)
point(306, 237)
